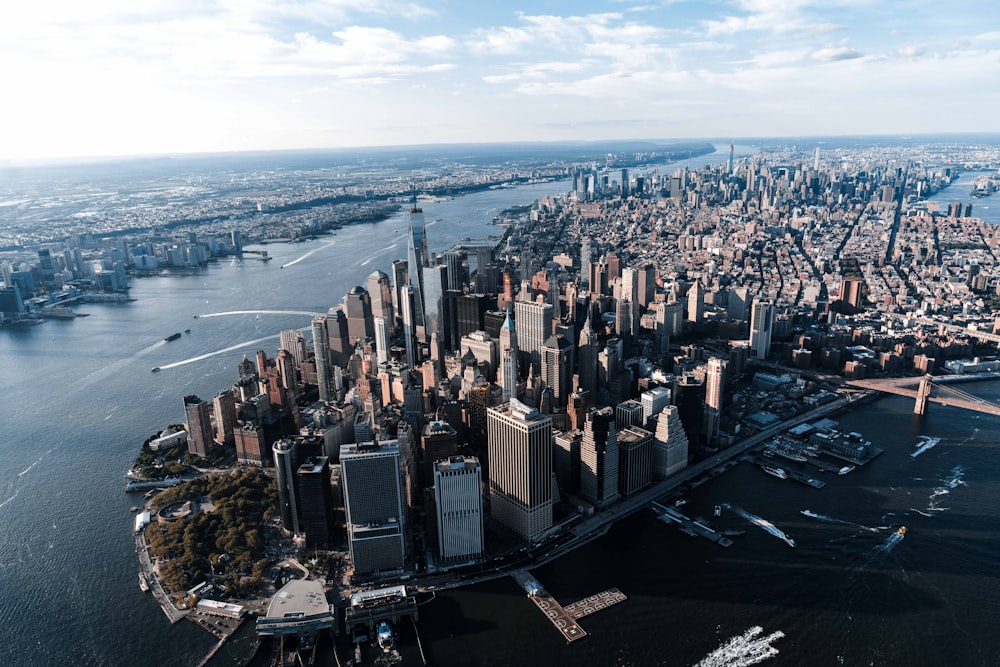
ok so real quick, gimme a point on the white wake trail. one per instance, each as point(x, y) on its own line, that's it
point(208, 355)
point(743, 650)
point(308, 254)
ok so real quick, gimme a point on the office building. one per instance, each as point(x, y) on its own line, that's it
point(509, 352)
point(670, 444)
point(459, 506)
point(761, 323)
point(373, 500)
point(534, 326)
point(224, 406)
point(635, 461)
point(438, 441)
point(416, 260)
point(629, 413)
point(293, 341)
point(653, 400)
point(315, 496)
point(520, 469)
point(358, 310)
point(286, 463)
point(599, 458)
point(557, 368)
point(199, 426)
point(715, 383)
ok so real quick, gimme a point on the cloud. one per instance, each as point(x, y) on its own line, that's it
point(835, 53)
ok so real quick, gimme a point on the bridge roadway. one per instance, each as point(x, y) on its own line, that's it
point(944, 395)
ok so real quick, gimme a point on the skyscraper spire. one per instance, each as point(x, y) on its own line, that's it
point(508, 357)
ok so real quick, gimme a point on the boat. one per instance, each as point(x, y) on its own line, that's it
point(901, 531)
point(156, 369)
point(777, 472)
point(845, 470)
point(187, 331)
point(680, 503)
point(926, 442)
point(143, 584)
point(173, 336)
point(717, 511)
point(385, 639)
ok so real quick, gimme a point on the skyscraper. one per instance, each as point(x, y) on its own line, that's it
point(653, 400)
point(760, 329)
point(696, 303)
point(635, 469)
point(293, 341)
point(321, 348)
point(199, 422)
point(358, 308)
point(381, 339)
point(315, 500)
point(670, 444)
point(373, 499)
point(689, 397)
point(286, 463)
point(556, 368)
point(534, 326)
point(416, 260)
point(715, 382)
point(599, 458)
point(508, 359)
point(459, 506)
point(520, 475)
point(224, 406)
point(380, 294)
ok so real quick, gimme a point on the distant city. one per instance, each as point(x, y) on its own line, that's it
point(471, 414)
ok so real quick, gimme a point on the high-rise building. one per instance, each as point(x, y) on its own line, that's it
point(373, 500)
point(321, 348)
point(585, 258)
point(382, 338)
point(629, 413)
point(199, 423)
point(509, 352)
point(599, 458)
point(557, 368)
point(358, 309)
point(459, 505)
point(696, 303)
point(737, 304)
point(653, 400)
point(689, 397)
point(380, 294)
point(315, 497)
point(416, 260)
point(534, 326)
point(251, 445)
point(635, 463)
point(761, 324)
point(286, 463)
point(293, 341)
point(850, 291)
point(438, 441)
point(224, 406)
point(715, 382)
point(670, 444)
point(407, 298)
point(520, 468)
point(435, 282)
point(566, 459)
point(456, 264)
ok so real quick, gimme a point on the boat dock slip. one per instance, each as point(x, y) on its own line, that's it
point(588, 606)
point(795, 474)
point(689, 526)
point(560, 618)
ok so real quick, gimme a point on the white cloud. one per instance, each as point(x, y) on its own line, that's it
point(835, 53)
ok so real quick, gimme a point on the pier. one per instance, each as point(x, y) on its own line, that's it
point(595, 603)
point(689, 526)
point(563, 621)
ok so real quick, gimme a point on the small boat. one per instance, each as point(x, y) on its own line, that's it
point(187, 331)
point(777, 472)
point(717, 511)
point(901, 531)
point(845, 470)
point(156, 369)
point(143, 584)
point(173, 336)
point(680, 503)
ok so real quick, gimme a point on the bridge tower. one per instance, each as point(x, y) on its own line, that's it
point(923, 392)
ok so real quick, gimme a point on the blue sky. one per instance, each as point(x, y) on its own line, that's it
point(112, 77)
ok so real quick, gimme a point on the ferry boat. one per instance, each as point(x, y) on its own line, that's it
point(845, 470)
point(777, 472)
point(385, 639)
point(173, 336)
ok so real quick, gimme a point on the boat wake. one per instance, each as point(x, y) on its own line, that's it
point(890, 543)
point(28, 469)
point(370, 258)
point(830, 519)
point(763, 524)
point(308, 254)
point(925, 444)
point(208, 355)
point(262, 312)
point(746, 649)
point(952, 481)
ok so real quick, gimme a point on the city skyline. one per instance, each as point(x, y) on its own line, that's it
point(114, 79)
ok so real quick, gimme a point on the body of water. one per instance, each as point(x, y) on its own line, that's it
point(986, 209)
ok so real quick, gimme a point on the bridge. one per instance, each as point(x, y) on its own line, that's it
point(932, 389)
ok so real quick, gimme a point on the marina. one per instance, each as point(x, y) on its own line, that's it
point(689, 526)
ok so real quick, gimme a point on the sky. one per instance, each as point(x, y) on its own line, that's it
point(131, 77)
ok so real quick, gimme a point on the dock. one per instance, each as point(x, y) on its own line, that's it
point(595, 603)
point(563, 621)
point(689, 526)
point(795, 474)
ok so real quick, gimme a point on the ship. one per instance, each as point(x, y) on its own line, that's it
point(809, 513)
point(777, 472)
point(385, 639)
point(143, 584)
point(901, 531)
point(173, 336)
point(926, 442)
point(845, 470)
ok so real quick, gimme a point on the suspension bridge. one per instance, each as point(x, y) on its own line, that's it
point(933, 389)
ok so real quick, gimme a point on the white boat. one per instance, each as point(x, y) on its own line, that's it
point(777, 472)
point(925, 443)
point(385, 639)
point(845, 470)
